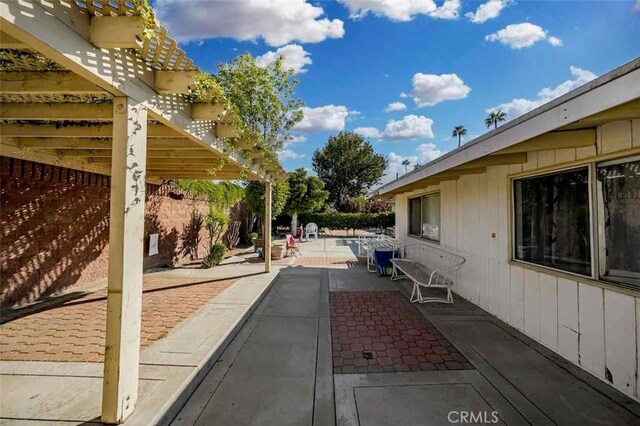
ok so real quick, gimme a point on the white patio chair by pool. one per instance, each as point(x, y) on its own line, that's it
point(310, 229)
point(428, 267)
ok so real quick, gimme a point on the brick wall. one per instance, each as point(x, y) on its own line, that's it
point(55, 229)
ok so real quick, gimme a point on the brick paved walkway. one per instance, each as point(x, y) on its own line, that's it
point(375, 332)
point(75, 331)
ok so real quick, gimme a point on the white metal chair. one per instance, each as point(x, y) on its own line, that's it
point(426, 266)
point(310, 229)
point(370, 245)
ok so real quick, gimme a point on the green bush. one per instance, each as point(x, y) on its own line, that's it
point(349, 220)
point(253, 236)
point(215, 255)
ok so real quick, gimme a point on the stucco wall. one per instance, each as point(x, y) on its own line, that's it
point(594, 326)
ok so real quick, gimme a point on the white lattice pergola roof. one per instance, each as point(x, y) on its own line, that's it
point(54, 100)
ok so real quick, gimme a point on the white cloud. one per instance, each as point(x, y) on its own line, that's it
point(487, 11)
point(294, 55)
point(431, 89)
point(395, 106)
point(402, 10)
point(520, 106)
point(518, 36)
point(323, 119)
point(298, 139)
point(450, 9)
point(287, 154)
point(368, 132)
point(637, 6)
point(409, 127)
point(426, 152)
point(278, 22)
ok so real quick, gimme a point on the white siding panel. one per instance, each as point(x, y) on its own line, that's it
point(585, 152)
point(504, 270)
point(549, 310)
point(532, 303)
point(635, 133)
point(532, 162)
point(481, 243)
point(517, 297)
point(616, 136)
point(568, 322)
point(620, 344)
point(546, 158)
point(504, 202)
point(565, 155)
point(493, 225)
point(591, 316)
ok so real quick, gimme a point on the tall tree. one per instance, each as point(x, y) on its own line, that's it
point(494, 118)
point(254, 197)
point(262, 97)
point(348, 166)
point(459, 132)
point(306, 193)
point(405, 163)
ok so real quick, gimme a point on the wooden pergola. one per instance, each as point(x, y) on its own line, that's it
point(81, 88)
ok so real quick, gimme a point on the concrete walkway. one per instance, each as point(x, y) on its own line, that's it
point(34, 392)
point(278, 369)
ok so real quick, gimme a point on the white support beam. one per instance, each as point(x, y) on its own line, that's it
point(8, 42)
point(169, 153)
point(267, 227)
point(126, 232)
point(208, 111)
point(116, 32)
point(46, 83)
point(170, 82)
point(77, 131)
point(56, 111)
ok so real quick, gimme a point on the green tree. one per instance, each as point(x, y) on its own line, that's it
point(459, 132)
point(306, 193)
point(262, 97)
point(254, 197)
point(494, 118)
point(348, 166)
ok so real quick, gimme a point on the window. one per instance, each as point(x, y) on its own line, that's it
point(424, 217)
point(618, 201)
point(552, 226)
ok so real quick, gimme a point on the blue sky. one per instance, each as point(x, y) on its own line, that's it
point(447, 63)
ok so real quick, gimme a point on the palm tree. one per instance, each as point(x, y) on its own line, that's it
point(405, 163)
point(494, 118)
point(459, 132)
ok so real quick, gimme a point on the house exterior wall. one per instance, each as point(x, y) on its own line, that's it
point(55, 229)
point(593, 324)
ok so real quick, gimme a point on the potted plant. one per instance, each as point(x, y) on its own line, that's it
point(277, 251)
point(257, 243)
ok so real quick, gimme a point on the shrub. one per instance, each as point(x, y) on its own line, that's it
point(215, 255)
point(350, 220)
point(253, 235)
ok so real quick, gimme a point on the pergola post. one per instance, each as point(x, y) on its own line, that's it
point(126, 233)
point(267, 227)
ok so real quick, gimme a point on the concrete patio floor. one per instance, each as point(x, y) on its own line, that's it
point(279, 368)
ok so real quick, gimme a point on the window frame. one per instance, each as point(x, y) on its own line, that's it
point(420, 197)
point(595, 234)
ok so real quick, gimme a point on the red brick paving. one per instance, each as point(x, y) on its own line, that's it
point(75, 331)
point(376, 332)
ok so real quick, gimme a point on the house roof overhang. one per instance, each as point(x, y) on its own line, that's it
point(568, 121)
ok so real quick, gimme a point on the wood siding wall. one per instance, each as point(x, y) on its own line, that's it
point(595, 327)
